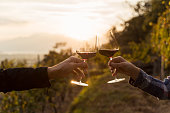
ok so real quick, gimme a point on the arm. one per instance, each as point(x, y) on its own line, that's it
point(140, 79)
point(151, 85)
point(19, 79)
point(23, 79)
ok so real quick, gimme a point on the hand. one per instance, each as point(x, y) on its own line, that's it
point(123, 66)
point(70, 65)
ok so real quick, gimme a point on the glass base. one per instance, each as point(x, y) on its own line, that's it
point(79, 83)
point(116, 80)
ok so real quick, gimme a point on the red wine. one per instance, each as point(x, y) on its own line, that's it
point(87, 55)
point(108, 52)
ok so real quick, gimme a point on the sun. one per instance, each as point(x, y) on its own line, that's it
point(79, 28)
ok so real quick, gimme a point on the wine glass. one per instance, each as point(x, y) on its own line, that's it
point(86, 52)
point(109, 50)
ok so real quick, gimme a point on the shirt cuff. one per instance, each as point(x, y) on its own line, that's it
point(42, 77)
point(142, 80)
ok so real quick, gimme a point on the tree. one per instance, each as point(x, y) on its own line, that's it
point(136, 38)
point(161, 39)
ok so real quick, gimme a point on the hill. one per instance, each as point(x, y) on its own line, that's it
point(30, 58)
point(37, 43)
point(121, 97)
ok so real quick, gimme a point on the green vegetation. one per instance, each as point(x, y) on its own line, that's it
point(161, 36)
point(144, 43)
point(114, 98)
point(144, 39)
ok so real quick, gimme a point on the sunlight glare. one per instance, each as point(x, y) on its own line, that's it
point(79, 28)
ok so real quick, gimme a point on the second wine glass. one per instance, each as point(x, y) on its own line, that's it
point(109, 50)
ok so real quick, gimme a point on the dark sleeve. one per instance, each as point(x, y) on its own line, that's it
point(155, 87)
point(19, 79)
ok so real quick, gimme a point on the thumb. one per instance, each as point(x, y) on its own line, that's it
point(115, 65)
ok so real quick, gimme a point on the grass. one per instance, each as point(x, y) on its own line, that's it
point(121, 97)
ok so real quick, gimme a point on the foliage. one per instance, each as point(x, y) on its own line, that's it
point(161, 37)
point(37, 99)
point(139, 40)
point(17, 102)
point(101, 97)
point(140, 52)
point(138, 28)
point(144, 36)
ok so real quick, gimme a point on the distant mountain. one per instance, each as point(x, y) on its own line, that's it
point(30, 58)
point(38, 43)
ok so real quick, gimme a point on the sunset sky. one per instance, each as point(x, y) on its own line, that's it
point(75, 19)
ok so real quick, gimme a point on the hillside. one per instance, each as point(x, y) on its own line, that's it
point(121, 97)
point(37, 43)
point(30, 58)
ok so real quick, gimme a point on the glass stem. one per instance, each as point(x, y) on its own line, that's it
point(85, 60)
point(113, 71)
point(115, 77)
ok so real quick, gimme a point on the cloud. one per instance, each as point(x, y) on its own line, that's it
point(8, 21)
point(84, 8)
point(66, 1)
point(65, 6)
point(26, 17)
point(90, 7)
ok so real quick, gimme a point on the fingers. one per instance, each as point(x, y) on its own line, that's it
point(81, 65)
point(118, 59)
point(115, 65)
point(78, 63)
point(115, 73)
point(85, 71)
point(80, 73)
point(77, 76)
point(75, 59)
point(111, 68)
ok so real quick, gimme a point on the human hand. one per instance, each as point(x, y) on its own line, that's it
point(123, 66)
point(71, 65)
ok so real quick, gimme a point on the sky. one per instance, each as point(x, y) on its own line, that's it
point(75, 19)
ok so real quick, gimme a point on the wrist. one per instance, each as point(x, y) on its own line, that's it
point(49, 70)
point(135, 73)
point(53, 72)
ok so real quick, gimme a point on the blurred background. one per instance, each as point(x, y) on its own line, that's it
point(39, 33)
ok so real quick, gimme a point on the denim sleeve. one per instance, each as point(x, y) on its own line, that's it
point(155, 87)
